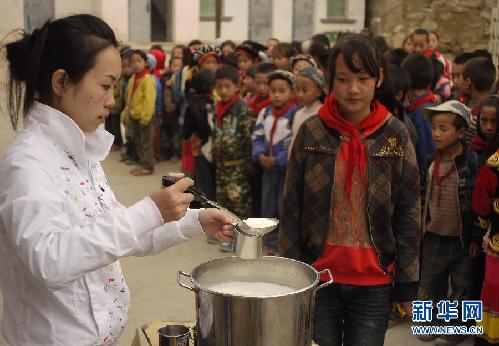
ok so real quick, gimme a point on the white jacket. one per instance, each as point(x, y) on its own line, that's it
point(61, 234)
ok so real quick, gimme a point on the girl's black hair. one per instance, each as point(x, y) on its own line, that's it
point(194, 42)
point(320, 53)
point(139, 52)
point(398, 80)
point(174, 58)
point(357, 48)
point(71, 43)
point(203, 82)
point(285, 49)
point(492, 101)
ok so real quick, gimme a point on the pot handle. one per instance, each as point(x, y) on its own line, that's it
point(328, 272)
point(179, 273)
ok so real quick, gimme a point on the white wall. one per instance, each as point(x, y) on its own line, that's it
point(185, 26)
point(282, 20)
point(236, 29)
point(67, 7)
point(115, 13)
point(9, 20)
point(355, 10)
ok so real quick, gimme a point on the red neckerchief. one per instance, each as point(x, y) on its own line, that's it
point(277, 113)
point(222, 107)
point(138, 76)
point(429, 97)
point(428, 53)
point(329, 113)
point(436, 174)
point(257, 104)
point(477, 143)
point(464, 99)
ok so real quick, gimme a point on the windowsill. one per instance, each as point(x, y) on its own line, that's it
point(213, 18)
point(338, 20)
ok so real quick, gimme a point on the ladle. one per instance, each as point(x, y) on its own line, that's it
point(240, 225)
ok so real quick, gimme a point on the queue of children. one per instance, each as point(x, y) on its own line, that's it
point(370, 158)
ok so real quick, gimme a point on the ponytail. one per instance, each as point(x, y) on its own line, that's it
point(24, 57)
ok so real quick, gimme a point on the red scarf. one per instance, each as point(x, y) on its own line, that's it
point(329, 113)
point(477, 143)
point(138, 76)
point(257, 104)
point(222, 107)
point(429, 97)
point(277, 113)
point(436, 174)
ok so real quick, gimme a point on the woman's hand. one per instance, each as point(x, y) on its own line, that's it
point(172, 201)
point(216, 224)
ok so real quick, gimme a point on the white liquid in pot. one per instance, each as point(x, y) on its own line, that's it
point(251, 289)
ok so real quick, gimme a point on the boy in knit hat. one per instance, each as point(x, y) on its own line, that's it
point(448, 181)
point(271, 139)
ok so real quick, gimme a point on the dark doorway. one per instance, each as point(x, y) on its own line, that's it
point(161, 20)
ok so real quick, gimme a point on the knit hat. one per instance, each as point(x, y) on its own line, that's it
point(151, 61)
point(160, 58)
point(306, 57)
point(454, 107)
point(281, 74)
point(314, 74)
point(251, 48)
point(206, 51)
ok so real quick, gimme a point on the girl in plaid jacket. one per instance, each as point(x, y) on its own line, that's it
point(352, 202)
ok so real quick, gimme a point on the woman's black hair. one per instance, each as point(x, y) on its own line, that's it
point(71, 43)
point(492, 101)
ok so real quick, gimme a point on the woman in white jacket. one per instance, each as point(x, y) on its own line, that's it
point(62, 230)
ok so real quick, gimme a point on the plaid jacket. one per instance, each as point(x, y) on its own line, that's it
point(394, 206)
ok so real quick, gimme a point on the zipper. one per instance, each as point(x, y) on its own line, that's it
point(369, 218)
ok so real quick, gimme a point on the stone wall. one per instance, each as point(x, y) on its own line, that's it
point(462, 25)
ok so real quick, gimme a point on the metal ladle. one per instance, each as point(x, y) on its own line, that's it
point(240, 225)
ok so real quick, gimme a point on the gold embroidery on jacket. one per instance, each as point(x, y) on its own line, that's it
point(391, 149)
point(496, 205)
point(484, 223)
point(493, 161)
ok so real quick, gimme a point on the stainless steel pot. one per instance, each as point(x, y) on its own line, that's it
point(232, 320)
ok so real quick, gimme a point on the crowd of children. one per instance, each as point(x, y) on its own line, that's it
point(370, 157)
